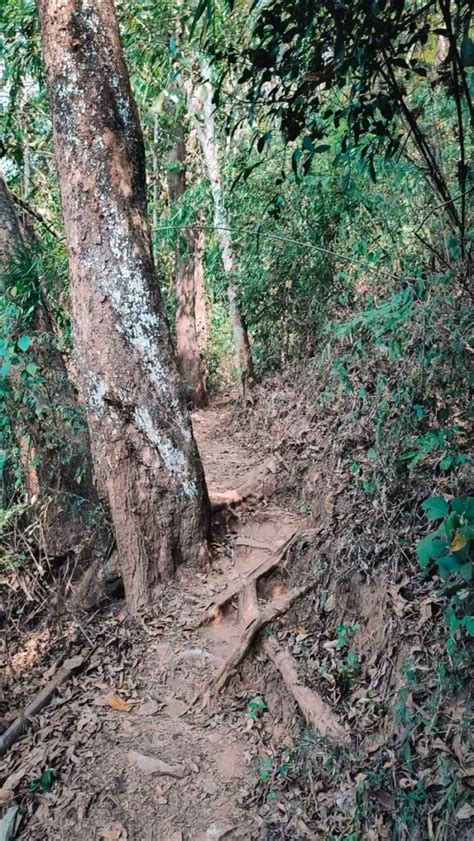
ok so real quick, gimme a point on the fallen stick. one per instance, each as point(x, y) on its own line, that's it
point(254, 544)
point(39, 701)
point(318, 713)
point(267, 615)
point(234, 589)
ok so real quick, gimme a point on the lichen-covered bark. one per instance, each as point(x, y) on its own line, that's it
point(52, 436)
point(202, 113)
point(142, 442)
point(188, 351)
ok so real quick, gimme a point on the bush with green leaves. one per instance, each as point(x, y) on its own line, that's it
point(448, 550)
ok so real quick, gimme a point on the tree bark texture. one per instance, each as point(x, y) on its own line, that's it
point(52, 436)
point(188, 351)
point(142, 442)
point(200, 309)
point(202, 112)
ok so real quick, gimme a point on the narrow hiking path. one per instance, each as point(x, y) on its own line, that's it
point(140, 701)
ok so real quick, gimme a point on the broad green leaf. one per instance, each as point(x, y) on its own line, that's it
point(448, 564)
point(466, 572)
point(468, 624)
point(24, 342)
point(435, 507)
point(430, 548)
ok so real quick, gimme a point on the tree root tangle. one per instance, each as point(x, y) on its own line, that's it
point(263, 618)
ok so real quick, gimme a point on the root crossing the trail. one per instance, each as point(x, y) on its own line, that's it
point(141, 756)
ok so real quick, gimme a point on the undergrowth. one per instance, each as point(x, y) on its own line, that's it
point(380, 428)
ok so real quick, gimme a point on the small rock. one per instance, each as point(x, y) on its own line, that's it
point(148, 708)
point(219, 830)
point(153, 765)
point(8, 823)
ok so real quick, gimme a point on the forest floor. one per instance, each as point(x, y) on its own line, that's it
point(178, 728)
point(141, 697)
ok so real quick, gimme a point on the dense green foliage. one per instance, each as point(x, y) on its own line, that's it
point(345, 139)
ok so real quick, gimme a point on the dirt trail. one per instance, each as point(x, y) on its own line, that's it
point(161, 672)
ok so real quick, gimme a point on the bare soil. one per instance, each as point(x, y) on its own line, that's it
point(188, 726)
point(142, 691)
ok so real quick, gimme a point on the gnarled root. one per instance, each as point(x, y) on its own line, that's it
point(317, 712)
point(263, 618)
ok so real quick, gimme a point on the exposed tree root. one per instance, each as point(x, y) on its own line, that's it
point(241, 584)
point(248, 602)
point(36, 705)
point(263, 618)
point(98, 583)
point(318, 713)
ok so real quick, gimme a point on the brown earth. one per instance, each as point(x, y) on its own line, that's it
point(155, 674)
point(240, 760)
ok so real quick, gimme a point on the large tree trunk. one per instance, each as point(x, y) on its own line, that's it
point(51, 435)
point(142, 443)
point(188, 352)
point(202, 112)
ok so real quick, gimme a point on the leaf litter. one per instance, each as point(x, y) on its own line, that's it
point(136, 702)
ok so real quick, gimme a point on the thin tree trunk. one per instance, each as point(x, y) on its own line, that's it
point(204, 123)
point(189, 357)
point(53, 438)
point(154, 187)
point(142, 442)
point(200, 310)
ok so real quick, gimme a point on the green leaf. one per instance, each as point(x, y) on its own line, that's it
point(435, 507)
point(468, 623)
point(31, 369)
point(430, 548)
point(466, 571)
point(45, 781)
point(173, 45)
point(469, 508)
point(452, 621)
point(24, 342)
point(448, 563)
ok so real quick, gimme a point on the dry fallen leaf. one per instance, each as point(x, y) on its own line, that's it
point(459, 542)
point(118, 703)
point(465, 812)
point(148, 708)
point(114, 832)
point(5, 795)
point(153, 765)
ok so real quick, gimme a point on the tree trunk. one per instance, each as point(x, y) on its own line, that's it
point(202, 112)
point(142, 442)
point(200, 310)
point(189, 357)
point(51, 435)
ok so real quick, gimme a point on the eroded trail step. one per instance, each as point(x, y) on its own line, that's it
point(112, 786)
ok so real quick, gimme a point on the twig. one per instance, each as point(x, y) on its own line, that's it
point(23, 204)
